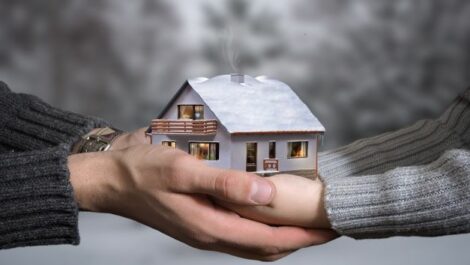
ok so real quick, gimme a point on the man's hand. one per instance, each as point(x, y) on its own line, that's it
point(170, 191)
point(129, 139)
point(298, 201)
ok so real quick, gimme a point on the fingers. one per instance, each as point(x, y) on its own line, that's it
point(234, 186)
point(254, 256)
point(253, 237)
point(249, 239)
point(204, 225)
point(281, 246)
point(187, 174)
point(273, 245)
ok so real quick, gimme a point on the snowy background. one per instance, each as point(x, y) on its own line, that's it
point(363, 67)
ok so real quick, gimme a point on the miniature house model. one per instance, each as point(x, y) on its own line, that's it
point(236, 121)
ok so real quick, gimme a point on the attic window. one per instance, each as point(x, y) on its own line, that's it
point(297, 149)
point(191, 112)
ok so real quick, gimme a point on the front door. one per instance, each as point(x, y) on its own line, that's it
point(251, 155)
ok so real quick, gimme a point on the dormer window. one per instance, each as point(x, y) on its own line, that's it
point(191, 112)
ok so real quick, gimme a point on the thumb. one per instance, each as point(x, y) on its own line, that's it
point(234, 186)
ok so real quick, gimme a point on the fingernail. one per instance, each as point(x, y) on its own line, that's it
point(261, 192)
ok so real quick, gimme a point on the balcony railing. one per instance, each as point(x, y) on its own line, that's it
point(192, 127)
point(271, 164)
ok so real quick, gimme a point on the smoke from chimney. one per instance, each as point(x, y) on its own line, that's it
point(237, 78)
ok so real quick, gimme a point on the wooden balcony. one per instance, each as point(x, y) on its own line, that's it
point(190, 127)
point(271, 164)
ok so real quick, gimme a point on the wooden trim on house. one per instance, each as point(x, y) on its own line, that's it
point(277, 132)
point(186, 127)
point(316, 158)
point(271, 164)
point(306, 173)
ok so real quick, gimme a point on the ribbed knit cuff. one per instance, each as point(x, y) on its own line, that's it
point(457, 117)
point(3, 87)
point(27, 123)
point(428, 200)
point(37, 203)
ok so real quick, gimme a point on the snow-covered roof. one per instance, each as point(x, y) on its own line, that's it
point(256, 105)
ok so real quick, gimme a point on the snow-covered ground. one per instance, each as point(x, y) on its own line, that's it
point(108, 239)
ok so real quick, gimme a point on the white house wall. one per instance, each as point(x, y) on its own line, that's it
point(189, 96)
point(238, 156)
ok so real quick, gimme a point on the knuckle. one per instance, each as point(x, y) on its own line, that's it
point(198, 245)
point(268, 258)
point(204, 242)
point(180, 157)
point(177, 162)
point(175, 168)
point(222, 184)
point(270, 250)
point(231, 185)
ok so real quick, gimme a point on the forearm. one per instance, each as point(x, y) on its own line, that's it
point(36, 197)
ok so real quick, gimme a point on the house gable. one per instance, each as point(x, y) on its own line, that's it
point(186, 95)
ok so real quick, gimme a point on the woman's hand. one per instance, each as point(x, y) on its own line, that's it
point(171, 191)
point(298, 201)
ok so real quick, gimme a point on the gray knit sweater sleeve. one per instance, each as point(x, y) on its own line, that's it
point(414, 181)
point(36, 198)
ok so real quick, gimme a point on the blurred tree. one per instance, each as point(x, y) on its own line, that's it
point(93, 53)
point(391, 62)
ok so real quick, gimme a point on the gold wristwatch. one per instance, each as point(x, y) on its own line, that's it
point(97, 140)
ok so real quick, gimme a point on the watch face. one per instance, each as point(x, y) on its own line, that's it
point(95, 146)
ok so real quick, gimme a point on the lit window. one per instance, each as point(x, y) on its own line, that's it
point(169, 143)
point(251, 156)
point(272, 149)
point(297, 149)
point(205, 151)
point(192, 112)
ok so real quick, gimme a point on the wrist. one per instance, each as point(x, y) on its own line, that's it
point(123, 141)
point(94, 179)
point(322, 216)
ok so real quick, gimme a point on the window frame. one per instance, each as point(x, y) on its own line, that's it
point(254, 165)
point(274, 149)
point(217, 150)
point(172, 143)
point(290, 151)
point(194, 111)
